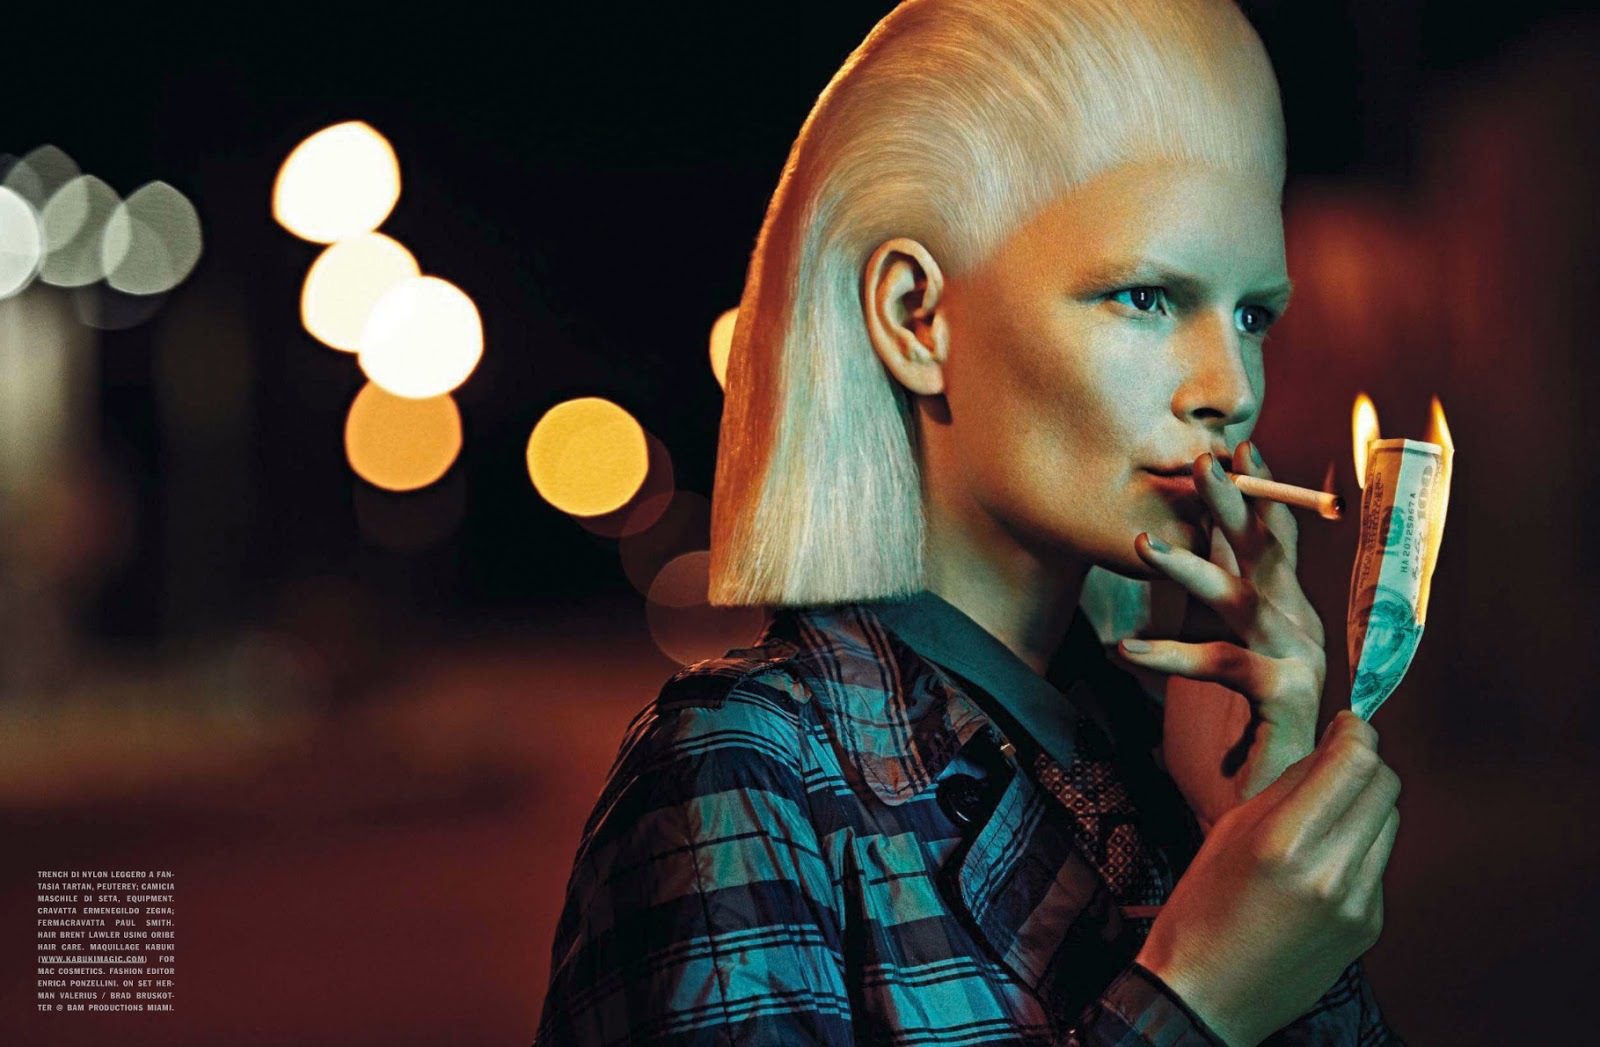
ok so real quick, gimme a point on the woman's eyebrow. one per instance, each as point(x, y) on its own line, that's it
point(1126, 273)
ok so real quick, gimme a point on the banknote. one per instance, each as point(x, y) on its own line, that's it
point(1402, 520)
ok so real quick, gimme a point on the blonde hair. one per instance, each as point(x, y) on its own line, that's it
point(952, 123)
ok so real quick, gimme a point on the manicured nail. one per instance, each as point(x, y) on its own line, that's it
point(1216, 469)
point(1255, 454)
point(1133, 646)
point(1157, 544)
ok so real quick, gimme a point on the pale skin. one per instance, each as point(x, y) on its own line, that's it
point(1117, 334)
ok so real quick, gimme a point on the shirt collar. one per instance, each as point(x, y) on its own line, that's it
point(1046, 708)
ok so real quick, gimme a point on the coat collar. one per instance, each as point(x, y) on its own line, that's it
point(893, 680)
point(899, 718)
point(1044, 709)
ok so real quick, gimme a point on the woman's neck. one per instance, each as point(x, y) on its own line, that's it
point(1024, 602)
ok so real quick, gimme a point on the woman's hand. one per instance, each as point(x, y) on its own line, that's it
point(1285, 892)
point(1247, 672)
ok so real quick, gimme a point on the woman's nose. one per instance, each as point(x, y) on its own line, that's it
point(1215, 385)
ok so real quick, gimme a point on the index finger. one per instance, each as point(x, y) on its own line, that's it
point(1274, 516)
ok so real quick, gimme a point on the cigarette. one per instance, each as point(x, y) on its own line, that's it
point(1328, 506)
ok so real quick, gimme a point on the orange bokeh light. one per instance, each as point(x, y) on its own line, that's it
point(398, 443)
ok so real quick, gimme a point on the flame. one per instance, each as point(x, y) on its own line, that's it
point(1363, 430)
point(1438, 433)
point(1327, 479)
point(1439, 430)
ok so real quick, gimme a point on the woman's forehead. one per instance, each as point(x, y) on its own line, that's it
point(1163, 217)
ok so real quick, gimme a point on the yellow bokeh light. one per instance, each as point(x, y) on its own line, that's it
point(423, 338)
point(398, 443)
point(721, 344)
point(640, 512)
point(587, 456)
point(340, 182)
point(346, 281)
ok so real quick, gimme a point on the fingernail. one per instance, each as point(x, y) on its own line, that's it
point(1133, 646)
point(1157, 544)
point(1255, 454)
point(1216, 469)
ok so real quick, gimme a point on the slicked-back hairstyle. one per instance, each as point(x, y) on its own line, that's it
point(953, 123)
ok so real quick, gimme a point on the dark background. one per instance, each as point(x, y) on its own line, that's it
point(369, 766)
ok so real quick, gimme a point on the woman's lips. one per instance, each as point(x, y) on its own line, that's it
point(1179, 484)
point(1180, 492)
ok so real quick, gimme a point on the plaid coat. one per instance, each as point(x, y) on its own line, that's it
point(829, 838)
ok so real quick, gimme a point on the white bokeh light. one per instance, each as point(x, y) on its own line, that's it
point(21, 243)
point(423, 339)
point(74, 221)
point(344, 284)
point(37, 176)
point(340, 182)
point(152, 241)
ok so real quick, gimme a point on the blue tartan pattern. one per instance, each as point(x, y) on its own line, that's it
point(769, 862)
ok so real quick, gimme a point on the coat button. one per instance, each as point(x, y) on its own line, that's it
point(963, 799)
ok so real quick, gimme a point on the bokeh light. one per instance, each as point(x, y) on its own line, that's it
point(399, 443)
point(346, 282)
point(587, 456)
point(152, 241)
point(37, 176)
point(681, 522)
point(21, 243)
point(340, 182)
point(683, 625)
point(721, 344)
point(422, 339)
point(647, 504)
point(74, 221)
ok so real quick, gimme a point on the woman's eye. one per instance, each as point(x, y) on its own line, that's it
point(1259, 319)
point(1141, 298)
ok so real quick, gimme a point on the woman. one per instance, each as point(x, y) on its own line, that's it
point(1004, 318)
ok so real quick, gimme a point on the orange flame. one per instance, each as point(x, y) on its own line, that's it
point(1363, 430)
point(1439, 430)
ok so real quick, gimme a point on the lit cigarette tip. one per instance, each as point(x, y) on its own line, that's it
point(1325, 504)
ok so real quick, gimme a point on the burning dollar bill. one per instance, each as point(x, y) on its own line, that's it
point(1405, 492)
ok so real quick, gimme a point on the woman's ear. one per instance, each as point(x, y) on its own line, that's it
point(901, 286)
